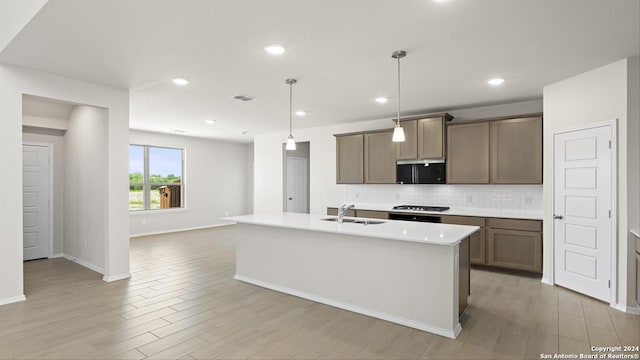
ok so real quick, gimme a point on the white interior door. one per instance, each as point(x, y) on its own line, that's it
point(297, 185)
point(35, 205)
point(582, 210)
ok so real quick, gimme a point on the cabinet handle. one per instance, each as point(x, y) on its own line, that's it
point(557, 217)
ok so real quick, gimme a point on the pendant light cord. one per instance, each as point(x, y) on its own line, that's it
point(398, 119)
point(290, 107)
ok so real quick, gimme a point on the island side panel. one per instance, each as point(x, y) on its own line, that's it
point(464, 278)
point(411, 283)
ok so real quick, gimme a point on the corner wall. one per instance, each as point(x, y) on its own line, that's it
point(216, 179)
point(16, 81)
point(85, 187)
point(591, 97)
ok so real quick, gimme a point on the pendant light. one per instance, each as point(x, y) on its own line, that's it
point(398, 131)
point(291, 144)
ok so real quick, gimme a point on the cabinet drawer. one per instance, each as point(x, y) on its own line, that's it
point(334, 212)
point(511, 224)
point(372, 214)
point(463, 220)
point(514, 249)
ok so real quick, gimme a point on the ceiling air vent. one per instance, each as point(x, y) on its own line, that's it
point(243, 98)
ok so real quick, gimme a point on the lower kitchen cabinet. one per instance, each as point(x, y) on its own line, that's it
point(477, 242)
point(514, 249)
point(638, 276)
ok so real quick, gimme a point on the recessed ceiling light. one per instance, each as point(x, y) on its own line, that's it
point(210, 121)
point(275, 49)
point(382, 100)
point(301, 113)
point(180, 81)
point(495, 82)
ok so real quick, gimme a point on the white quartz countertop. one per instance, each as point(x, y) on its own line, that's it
point(494, 213)
point(427, 233)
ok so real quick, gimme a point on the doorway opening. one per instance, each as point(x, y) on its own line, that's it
point(296, 165)
point(64, 182)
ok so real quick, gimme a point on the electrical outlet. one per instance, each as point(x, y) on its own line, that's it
point(143, 221)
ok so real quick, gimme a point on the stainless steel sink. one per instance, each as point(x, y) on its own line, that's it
point(356, 221)
point(336, 219)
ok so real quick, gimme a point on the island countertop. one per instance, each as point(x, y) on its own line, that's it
point(427, 233)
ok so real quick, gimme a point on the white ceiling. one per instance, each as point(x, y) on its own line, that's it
point(339, 50)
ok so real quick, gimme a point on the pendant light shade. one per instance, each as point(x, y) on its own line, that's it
point(291, 143)
point(398, 131)
point(398, 134)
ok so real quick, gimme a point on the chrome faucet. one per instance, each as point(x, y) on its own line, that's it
point(343, 210)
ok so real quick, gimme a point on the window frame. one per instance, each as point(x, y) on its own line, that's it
point(146, 184)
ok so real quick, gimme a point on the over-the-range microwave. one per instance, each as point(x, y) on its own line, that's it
point(421, 172)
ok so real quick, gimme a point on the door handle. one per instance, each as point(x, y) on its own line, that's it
point(557, 217)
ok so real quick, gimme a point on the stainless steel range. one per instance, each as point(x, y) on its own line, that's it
point(421, 208)
point(417, 217)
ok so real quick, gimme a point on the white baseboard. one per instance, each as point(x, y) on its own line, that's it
point(354, 308)
point(547, 281)
point(627, 309)
point(86, 264)
point(178, 230)
point(12, 300)
point(54, 256)
point(116, 277)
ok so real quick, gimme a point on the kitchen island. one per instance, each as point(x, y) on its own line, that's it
point(414, 274)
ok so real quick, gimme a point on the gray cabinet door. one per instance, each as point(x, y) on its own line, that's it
point(468, 153)
point(379, 158)
point(408, 150)
point(349, 159)
point(516, 151)
point(514, 249)
point(477, 242)
point(431, 138)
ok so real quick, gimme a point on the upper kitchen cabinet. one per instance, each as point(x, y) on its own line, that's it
point(425, 138)
point(516, 151)
point(379, 158)
point(468, 153)
point(350, 159)
point(500, 151)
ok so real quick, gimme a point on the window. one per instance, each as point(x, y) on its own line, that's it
point(155, 178)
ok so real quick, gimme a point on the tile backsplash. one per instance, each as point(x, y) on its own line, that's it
point(503, 197)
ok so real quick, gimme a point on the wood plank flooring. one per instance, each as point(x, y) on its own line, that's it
point(182, 303)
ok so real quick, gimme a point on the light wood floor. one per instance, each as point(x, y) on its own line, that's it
point(183, 303)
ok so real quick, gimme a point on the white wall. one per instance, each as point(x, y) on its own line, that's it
point(85, 187)
point(54, 137)
point(324, 191)
point(16, 81)
point(216, 178)
point(595, 96)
